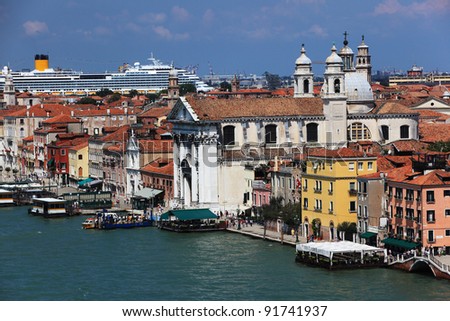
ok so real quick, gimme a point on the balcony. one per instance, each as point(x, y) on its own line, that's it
point(305, 207)
point(352, 191)
point(330, 192)
point(398, 215)
point(409, 198)
point(317, 190)
point(330, 211)
point(317, 209)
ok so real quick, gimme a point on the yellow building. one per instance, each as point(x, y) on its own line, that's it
point(78, 163)
point(329, 189)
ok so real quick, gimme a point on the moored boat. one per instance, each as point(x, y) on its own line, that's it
point(6, 198)
point(49, 207)
point(89, 223)
point(111, 220)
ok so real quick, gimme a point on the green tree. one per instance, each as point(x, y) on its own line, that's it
point(132, 93)
point(104, 92)
point(225, 86)
point(440, 146)
point(86, 101)
point(348, 228)
point(152, 97)
point(271, 211)
point(291, 215)
point(187, 88)
point(114, 97)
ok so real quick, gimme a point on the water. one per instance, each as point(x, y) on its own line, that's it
point(54, 259)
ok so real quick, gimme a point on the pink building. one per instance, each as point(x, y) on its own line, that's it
point(419, 206)
point(261, 193)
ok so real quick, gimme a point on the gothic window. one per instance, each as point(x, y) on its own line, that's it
point(306, 86)
point(385, 132)
point(404, 131)
point(358, 131)
point(337, 86)
point(271, 134)
point(228, 135)
point(312, 132)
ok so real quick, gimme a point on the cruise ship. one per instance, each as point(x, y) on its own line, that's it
point(148, 78)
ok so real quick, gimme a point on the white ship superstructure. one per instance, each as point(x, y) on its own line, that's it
point(148, 78)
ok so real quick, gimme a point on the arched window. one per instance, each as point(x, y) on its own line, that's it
point(228, 135)
point(385, 132)
point(337, 86)
point(271, 134)
point(306, 86)
point(404, 131)
point(312, 132)
point(358, 131)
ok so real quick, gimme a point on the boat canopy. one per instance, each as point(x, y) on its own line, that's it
point(147, 192)
point(187, 215)
point(329, 248)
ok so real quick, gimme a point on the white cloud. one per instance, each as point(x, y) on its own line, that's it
point(180, 14)
point(318, 31)
point(153, 17)
point(33, 28)
point(165, 33)
point(420, 8)
point(208, 16)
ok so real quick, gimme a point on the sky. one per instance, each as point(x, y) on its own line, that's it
point(222, 37)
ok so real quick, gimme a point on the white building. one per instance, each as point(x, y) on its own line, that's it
point(220, 142)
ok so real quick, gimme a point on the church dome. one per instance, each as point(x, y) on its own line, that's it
point(303, 59)
point(359, 93)
point(334, 57)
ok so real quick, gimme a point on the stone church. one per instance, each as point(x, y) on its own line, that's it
point(221, 143)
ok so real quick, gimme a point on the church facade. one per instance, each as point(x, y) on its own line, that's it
point(220, 143)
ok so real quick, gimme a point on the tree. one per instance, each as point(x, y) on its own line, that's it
point(291, 215)
point(152, 97)
point(271, 211)
point(440, 146)
point(104, 92)
point(225, 86)
point(348, 228)
point(132, 93)
point(86, 101)
point(114, 97)
point(187, 88)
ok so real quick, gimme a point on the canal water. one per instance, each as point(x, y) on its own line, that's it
point(54, 259)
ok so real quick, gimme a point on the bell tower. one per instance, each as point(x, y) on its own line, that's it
point(334, 102)
point(363, 64)
point(303, 76)
point(173, 91)
point(9, 93)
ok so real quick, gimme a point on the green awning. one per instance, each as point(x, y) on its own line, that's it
point(85, 181)
point(187, 215)
point(400, 243)
point(368, 235)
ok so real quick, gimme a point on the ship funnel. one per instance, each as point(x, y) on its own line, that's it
point(41, 62)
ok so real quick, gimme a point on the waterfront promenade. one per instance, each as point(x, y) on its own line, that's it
point(257, 231)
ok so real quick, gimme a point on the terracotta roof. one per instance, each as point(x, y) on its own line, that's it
point(156, 112)
point(409, 145)
point(121, 134)
point(434, 132)
point(61, 119)
point(80, 146)
point(210, 109)
point(391, 107)
point(41, 110)
point(385, 163)
point(155, 167)
point(431, 115)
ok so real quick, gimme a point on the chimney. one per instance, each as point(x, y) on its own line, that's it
point(72, 113)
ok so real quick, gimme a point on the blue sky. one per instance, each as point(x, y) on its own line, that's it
point(232, 36)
